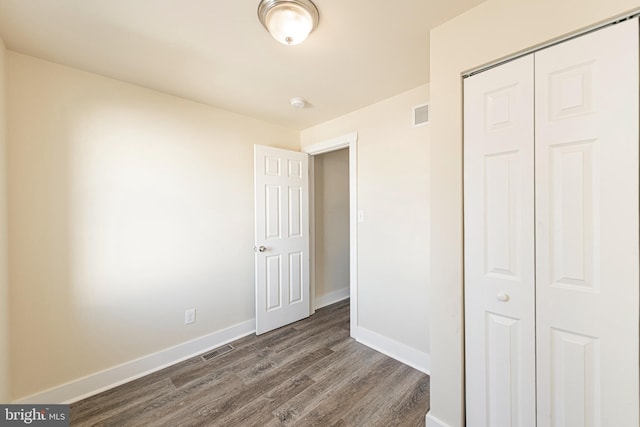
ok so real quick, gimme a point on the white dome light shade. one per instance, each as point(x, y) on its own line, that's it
point(288, 21)
point(289, 24)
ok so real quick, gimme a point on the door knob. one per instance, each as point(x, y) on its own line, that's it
point(502, 296)
point(259, 248)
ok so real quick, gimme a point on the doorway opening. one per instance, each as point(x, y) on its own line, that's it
point(330, 213)
point(333, 220)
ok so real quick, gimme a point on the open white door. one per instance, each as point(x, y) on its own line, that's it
point(281, 237)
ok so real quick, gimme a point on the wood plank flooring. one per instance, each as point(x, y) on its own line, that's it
point(309, 373)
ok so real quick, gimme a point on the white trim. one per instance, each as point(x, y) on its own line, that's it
point(313, 305)
point(432, 421)
point(333, 144)
point(332, 297)
point(353, 231)
point(346, 141)
point(401, 352)
point(129, 371)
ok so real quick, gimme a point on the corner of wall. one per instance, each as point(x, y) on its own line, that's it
point(401, 352)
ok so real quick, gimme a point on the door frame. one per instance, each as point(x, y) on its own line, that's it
point(349, 141)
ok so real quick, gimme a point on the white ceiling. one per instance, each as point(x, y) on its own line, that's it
point(217, 52)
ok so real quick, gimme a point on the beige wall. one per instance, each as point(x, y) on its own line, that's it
point(126, 207)
point(393, 191)
point(494, 29)
point(331, 217)
point(4, 274)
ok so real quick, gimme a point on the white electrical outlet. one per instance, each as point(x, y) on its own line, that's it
point(190, 316)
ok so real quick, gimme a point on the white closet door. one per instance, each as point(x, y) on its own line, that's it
point(499, 246)
point(587, 229)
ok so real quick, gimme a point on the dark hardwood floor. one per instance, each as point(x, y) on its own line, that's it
point(309, 373)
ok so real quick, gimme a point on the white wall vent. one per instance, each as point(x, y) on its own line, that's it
point(420, 115)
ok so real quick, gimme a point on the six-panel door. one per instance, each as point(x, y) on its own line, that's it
point(587, 229)
point(499, 247)
point(281, 237)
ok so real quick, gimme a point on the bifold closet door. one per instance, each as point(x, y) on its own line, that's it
point(499, 246)
point(587, 229)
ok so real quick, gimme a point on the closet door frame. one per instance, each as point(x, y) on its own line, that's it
point(587, 220)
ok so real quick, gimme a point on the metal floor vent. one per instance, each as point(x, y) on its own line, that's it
point(217, 352)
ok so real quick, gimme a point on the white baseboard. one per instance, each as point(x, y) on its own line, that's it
point(432, 421)
point(332, 297)
point(401, 352)
point(129, 371)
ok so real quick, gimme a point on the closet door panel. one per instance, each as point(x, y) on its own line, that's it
point(587, 229)
point(499, 246)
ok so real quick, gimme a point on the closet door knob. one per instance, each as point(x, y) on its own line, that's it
point(502, 296)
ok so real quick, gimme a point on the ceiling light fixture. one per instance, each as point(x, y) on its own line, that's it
point(288, 21)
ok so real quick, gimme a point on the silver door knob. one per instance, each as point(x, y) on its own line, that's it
point(502, 296)
point(259, 249)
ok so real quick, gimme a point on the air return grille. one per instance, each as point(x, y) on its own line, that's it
point(420, 115)
point(217, 352)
